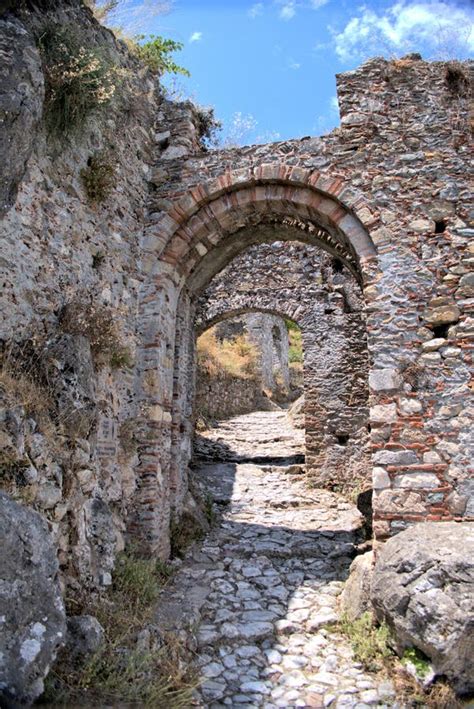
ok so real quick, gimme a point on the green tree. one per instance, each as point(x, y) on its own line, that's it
point(156, 53)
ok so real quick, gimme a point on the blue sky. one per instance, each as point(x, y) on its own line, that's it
point(268, 67)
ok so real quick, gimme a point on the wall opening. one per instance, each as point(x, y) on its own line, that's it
point(204, 235)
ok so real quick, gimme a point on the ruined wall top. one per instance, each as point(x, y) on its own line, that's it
point(386, 106)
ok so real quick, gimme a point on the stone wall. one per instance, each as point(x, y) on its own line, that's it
point(104, 446)
point(223, 396)
point(387, 194)
point(70, 273)
point(321, 296)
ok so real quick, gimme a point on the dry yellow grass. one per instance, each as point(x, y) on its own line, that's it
point(122, 672)
point(236, 357)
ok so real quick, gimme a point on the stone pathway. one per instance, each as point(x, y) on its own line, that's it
point(261, 589)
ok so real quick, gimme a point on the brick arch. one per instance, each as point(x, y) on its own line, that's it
point(325, 210)
point(205, 229)
point(270, 308)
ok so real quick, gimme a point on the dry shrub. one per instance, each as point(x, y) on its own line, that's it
point(18, 388)
point(99, 176)
point(123, 671)
point(22, 385)
point(442, 696)
point(236, 357)
point(79, 79)
point(457, 80)
point(98, 323)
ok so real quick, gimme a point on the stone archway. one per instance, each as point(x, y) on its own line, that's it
point(200, 234)
point(299, 282)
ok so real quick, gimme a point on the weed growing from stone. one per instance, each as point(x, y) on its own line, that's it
point(98, 323)
point(98, 177)
point(139, 581)
point(419, 662)
point(121, 358)
point(182, 535)
point(79, 79)
point(372, 646)
point(370, 643)
point(131, 667)
point(156, 54)
point(208, 126)
point(209, 509)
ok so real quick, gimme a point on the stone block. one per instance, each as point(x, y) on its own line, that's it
point(433, 345)
point(410, 406)
point(385, 380)
point(441, 311)
point(422, 586)
point(355, 598)
point(421, 225)
point(402, 457)
point(380, 479)
point(383, 413)
point(31, 607)
point(416, 481)
point(432, 458)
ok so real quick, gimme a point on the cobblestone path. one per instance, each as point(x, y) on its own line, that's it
point(262, 588)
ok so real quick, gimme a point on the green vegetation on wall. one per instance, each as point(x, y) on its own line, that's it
point(156, 54)
point(79, 79)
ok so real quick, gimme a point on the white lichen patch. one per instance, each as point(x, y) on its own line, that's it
point(30, 650)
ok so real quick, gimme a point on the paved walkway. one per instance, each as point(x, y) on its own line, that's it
point(261, 589)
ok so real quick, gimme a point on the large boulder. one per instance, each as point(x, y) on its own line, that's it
point(32, 616)
point(355, 598)
point(423, 587)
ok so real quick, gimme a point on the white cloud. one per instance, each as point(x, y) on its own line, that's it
point(255, 10)
point(288, 10)
point(195, 37)
point(408, 25)
point(334, 105)
point(294, 65)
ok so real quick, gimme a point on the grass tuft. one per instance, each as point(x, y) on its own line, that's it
point(79, 79)
point(98, 177)
point(151, 673)
point(370, 643)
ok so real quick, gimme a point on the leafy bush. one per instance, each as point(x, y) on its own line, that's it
point(156, 54)
point(79, 79)
point(98, 177)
